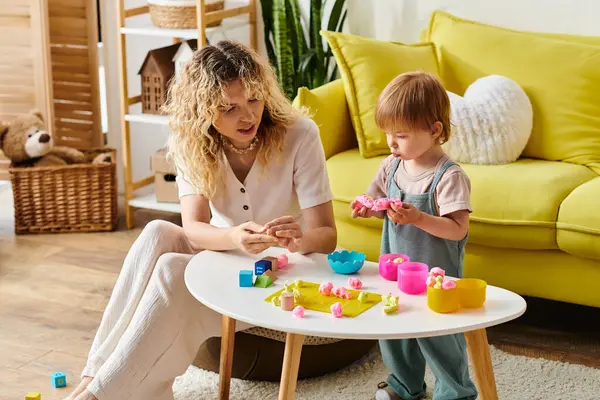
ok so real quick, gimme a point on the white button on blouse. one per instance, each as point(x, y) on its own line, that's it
point(298, 180)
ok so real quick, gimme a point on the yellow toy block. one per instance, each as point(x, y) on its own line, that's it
point(33, 396)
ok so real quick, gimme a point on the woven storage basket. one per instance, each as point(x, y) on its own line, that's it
point(180, 14)
point(66, 198)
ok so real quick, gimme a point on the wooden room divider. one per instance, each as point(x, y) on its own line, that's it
point(49, 61)
point(24, 61)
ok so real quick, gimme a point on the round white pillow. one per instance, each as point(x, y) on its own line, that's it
point(491, 123)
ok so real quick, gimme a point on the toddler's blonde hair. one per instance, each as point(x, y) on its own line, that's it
point(193, 102)
point(414, 101)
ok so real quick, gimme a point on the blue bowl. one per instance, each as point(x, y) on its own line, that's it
point(346, 262)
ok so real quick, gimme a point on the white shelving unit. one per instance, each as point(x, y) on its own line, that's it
point(144, 27)
point(149, 202)
point(136, 21)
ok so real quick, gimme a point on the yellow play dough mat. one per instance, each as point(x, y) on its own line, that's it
point(311, 299)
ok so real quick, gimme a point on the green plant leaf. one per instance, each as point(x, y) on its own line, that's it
point(316, 7)
point(342, 20)
point(283, 50)
point(293, 35)
point(336, 12)
point(302, 46)
point(267, 15)
point(307, 58)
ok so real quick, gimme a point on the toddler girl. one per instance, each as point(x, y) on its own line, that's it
point(431, 226)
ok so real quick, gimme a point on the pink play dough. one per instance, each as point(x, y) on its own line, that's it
point(363, 201)
point(435, 271)
point(376, 205)
point(381, 204)
point(355, 283)
point(341, 292)
point(325, 288)
point(282, 261)
point(336, 310)
point(448, 285)
point(299, 312)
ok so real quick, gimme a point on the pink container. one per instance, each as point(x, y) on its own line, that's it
point(388, 269)
point(412, 277)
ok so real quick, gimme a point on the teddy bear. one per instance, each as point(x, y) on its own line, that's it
point(26, 142)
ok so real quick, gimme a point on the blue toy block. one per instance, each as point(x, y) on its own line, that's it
point(59, 380)
point(261, 266)
point(246, 278)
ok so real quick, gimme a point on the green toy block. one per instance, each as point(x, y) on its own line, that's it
point(263, 281)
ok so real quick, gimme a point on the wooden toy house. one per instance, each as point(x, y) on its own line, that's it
point(156, 71)
point(183, 54)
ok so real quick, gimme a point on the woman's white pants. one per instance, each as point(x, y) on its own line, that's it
point(152, 327)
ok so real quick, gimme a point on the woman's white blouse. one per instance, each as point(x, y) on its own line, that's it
point(297, 181)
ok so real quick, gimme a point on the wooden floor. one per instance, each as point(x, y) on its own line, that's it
point(53, 289)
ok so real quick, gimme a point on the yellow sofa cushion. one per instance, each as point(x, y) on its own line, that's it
point(366, 67)
point(561, 78)
point(579, 221)
point(327, 106)
point(514, 205)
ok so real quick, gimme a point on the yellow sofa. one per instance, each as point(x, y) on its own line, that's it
point(535, 228)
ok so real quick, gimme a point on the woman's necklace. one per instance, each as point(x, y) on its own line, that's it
point(241, 151)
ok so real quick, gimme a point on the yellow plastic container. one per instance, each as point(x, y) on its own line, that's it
point(442, 300)
point(472, 292)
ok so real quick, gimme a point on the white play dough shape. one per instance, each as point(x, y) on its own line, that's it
point(492, 122)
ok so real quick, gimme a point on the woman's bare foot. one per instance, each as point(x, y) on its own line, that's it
point(82, 386)
point(86, 395)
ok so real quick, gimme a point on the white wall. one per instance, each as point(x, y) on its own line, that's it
point(402, 20)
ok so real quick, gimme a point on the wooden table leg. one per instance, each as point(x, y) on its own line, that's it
point(226, 362)
point(291, 364)
point(479, 352)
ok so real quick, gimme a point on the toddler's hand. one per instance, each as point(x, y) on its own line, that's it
point(358, 211)
point(407, 214)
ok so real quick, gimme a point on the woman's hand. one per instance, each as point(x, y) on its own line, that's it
point(250, 237)
point(407, 214)
point(286, 231)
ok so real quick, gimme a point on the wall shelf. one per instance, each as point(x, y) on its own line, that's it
point(144, 27)
point(149, 202)
point(148, 119)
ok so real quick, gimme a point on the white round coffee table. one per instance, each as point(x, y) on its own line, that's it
point(213, 278)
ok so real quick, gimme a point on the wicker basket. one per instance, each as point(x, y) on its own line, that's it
point(180, 14)
point(66, 198)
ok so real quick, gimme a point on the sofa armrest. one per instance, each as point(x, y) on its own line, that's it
point(327, 106)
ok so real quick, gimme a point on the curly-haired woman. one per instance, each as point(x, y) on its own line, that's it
point(251, 175)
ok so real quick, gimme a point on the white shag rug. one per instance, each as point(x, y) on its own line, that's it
point(517, 378)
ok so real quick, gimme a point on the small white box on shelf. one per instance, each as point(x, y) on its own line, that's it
point(165, 186)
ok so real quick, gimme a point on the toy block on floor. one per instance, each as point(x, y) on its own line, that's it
point(261, 266)
point(59, 380)
point(263, 281)
point(246, 278)
point(33, 396)
point(271, 274)
point(273, 261)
